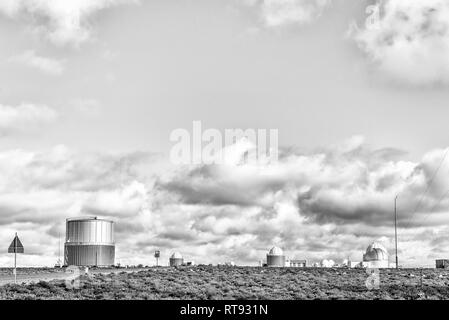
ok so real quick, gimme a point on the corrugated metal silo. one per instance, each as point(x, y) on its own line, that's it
point(89, 242)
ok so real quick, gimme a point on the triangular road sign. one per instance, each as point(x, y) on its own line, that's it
point(16, 246)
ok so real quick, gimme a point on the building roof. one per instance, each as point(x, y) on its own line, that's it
point(375, 252)
point(87, 218)
point(276, 251)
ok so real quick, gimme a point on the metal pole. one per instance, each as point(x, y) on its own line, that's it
point(59, 250)
point(15, 268)
point(15, 259)
point(395, 230)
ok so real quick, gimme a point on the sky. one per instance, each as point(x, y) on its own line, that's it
point(90, 91)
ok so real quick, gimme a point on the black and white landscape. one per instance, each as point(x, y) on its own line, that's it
point(217, 130)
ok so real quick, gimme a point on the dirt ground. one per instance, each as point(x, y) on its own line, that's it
point(205, 282)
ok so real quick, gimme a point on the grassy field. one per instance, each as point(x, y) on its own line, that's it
point(204, 282)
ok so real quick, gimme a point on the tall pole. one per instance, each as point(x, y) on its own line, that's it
point(395, 229)
point(15, 259)
point(59, 249)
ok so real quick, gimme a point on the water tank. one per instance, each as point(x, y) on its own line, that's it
point(276, 257)
point(176, 259)
point(89, 242)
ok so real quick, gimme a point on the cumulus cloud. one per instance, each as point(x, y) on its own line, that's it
point(283, 12)
point(329, 203)
point(276, 13)
point(316, 204)
point(39, 190)
point(409, 41)
point(24, 117)
point(47, 65)
point(62, 22)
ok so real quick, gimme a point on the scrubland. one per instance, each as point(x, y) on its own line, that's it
point(241, 283)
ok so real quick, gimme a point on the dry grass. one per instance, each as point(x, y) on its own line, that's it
point(204, 282)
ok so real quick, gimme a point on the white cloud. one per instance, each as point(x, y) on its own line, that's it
point(277, 13)
point(62, 22)
point(410, 42)
point(327, 204)
point(48, 65)
point(283, 12)
point(89, 107)
point(24, 117)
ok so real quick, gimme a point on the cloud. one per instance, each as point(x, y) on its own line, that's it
point(62, 22)
point(88, 107)
point(320, 204)
point(39, 190)
point(409, 42)
point(277, 13)
point(47, 65)
point(283, 12)
point(328, 203)
point(24, 117)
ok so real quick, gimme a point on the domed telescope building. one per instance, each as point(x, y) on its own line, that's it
point(176, 259)
point(276, 257)
point(376, 256)
point(89, 242)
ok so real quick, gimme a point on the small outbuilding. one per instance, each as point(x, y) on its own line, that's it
point(297, 263)
point(442, 263)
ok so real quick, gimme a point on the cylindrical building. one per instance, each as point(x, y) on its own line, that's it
point(176, 259)
point(89, 242)
point(275, 257)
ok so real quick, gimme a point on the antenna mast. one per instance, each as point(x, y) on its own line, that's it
point(395, 230)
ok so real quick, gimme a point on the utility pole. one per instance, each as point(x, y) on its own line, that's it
point(15, 260)
point(395, 229)
point(59, 250)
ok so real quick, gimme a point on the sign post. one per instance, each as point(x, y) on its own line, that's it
point(15, 247)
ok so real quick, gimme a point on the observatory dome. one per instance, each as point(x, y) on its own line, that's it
point(327, 263)
point(375, 252)
point(276, 251)
point(176, 255)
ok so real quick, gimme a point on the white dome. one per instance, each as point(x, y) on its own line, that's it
point(176, 255)
point(375, 252)
point(276, 251)
point(327, 263)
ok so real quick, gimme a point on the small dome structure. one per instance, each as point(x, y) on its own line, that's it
point(327, 263)
point(276, 257)
point(375, 252)
point(176, 259)
point(176, 255)
point(276, 251)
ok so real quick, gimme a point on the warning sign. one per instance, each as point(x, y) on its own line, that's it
point(16, 246)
